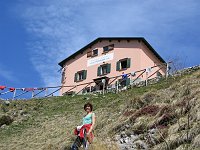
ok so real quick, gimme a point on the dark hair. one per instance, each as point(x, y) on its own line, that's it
point(88, 104)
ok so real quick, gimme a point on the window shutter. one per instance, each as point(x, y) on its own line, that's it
point(63, 77)
point(127, 81)
point(108, 68)
point(118, 66)
point(99, 71)
point(128, 63)
point(84, 74)
point(89, 54)
point(75, 77)
point(111, 47)
point(105, 48)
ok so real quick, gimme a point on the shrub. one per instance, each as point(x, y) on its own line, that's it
point(148, 97)
point(165, 119)
point(128, 113)
point(5, 120)
point(149, 110)
point(165, 109)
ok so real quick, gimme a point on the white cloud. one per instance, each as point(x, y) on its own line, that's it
point(53, 27)
point(59, 28)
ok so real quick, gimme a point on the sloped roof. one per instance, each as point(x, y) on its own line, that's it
point(113, 38)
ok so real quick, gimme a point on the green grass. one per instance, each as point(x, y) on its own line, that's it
point(67, 104)
point(47, 120)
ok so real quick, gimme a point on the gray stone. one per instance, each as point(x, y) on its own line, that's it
point(134, 137)
point(126, 140)
point(3, 126)
point(123, 134)
point(121, 141)
point(127, 126)
point(7, 103)
point(117, 137)
point(141, 145)
point(152, 131)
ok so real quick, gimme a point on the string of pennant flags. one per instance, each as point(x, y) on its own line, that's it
point(11, 89)
point(5, 90)
point(25, 90)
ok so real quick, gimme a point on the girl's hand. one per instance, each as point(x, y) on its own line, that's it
point(88, 133)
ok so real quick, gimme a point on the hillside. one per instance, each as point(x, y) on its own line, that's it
point(165, 115)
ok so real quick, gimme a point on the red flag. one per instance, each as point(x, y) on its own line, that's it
point(11, 89)
point(2, 87)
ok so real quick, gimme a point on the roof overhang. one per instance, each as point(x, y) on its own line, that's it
point(112, 38)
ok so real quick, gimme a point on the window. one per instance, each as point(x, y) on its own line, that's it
point(80, 75)
point(95, 52)
point(108, 48)
point(103, 69)
point(123, 64)
point(92, 53)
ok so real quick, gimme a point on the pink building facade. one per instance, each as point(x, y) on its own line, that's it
point(109, 62)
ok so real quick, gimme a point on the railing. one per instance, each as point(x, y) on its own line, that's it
point(115, 78)
point(106, 86)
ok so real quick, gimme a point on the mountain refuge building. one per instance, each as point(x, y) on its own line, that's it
point(110, 63)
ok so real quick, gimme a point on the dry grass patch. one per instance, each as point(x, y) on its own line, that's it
point(103, 144)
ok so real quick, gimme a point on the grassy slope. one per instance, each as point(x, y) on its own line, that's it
point(48, 123)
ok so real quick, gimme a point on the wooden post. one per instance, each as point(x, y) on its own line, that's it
point(103, 88)
point(46, 92)
point(33, 94)
point(103, 81)
point(117, 86)
point(146, 81)
point(167, 71)
point(91, 88)
point(131, 79)
point(14, 93)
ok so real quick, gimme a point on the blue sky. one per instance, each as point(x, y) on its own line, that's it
point(35, 35)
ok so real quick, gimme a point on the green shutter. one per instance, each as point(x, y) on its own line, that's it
point(108, 68)
point(75, 77)
point(128, 63)
point(105, 49)
point(63, 77)
point(99, 71)
point(84, 74)
point(118, 66)
point(127, 81)
point(89, 54)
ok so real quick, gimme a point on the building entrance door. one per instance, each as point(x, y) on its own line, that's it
point(101, 83)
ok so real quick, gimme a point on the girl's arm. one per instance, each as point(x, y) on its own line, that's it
point(93, 123)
